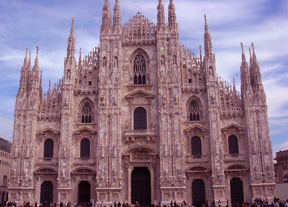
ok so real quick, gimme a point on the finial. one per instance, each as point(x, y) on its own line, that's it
point(253, 49)
point(72, 28)
point(205, 18)
point(37, 47)
point(250, 52)
point(106, 2)
point(26, 52)
point(242, 47)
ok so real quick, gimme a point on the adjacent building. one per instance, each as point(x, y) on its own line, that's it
point(5, 148)
point(141, 118)
point(281, 167)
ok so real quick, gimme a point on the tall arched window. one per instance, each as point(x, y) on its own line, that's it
point(86, 113)
point(233, 145)
point(196, 146)
point(140, 118)
point(85, 148)
point(48, 148)
point(139, 69)
point(193, 111)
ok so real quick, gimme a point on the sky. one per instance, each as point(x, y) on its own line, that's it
point(46, 23)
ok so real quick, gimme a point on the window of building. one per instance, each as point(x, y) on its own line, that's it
point(233, 145)
point(139, 69)
point(194, 111)
point(196, 146)
point(48, 148)
point(86, 113)
point(285, 179)
point(140, 119)
point(5, 180)
point(85, 148)
point(285, 166)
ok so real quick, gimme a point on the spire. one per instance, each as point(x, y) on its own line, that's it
point(160, 14)
point(29, 61)
point(71, 42)
point(245, 74)
point(40, 87)
point(36, 66)
point(106, 20)
point(200, 50)
point(207, 39)
point(80, 60)
point(25, 59)
point(171, 15)
point(116, 15)
point(255, 69)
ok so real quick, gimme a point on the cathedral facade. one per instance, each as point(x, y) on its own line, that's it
point(141, 118)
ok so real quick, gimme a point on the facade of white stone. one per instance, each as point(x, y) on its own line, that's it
point(141, 115)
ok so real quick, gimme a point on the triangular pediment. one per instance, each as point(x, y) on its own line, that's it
point(139, 29)
point(232, 126)
point(84, 130)
point(138, 21)
point(83, 171)
point(195, 127)
point(139, 93)
point(47, 131)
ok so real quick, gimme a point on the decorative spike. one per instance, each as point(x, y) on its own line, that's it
point(25, 59)
point(160, 14)
point(29, 61)
point(36, 59)
point(72, 28)
point(172, 15)
point(207, 39)
point(117, 16)
point(71, 42)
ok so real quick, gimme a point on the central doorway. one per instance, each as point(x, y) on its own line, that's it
point(198, 192)
point(46, 195)
point(141, 186)
point(236, 187)
point(84, 192)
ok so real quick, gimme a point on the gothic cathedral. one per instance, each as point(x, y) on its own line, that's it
point(141, 119)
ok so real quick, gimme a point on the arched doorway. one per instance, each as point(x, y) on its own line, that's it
point(198, 192)
point(46, 195)
point(141, 186)
point(236, 188)
point(84, 192)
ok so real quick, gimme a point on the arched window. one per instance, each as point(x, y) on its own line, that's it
point(233, 145)
point(196, 146)
point(48, 148)
point(85, 148)
point(139, 69)
point(86, 113)
point(193, 111)
point(140, 118)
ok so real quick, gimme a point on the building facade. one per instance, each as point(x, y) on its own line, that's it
point(281, 167)
point(141, 118)
point(5, 161)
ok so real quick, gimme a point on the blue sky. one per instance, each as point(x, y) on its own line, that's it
point(47, 23)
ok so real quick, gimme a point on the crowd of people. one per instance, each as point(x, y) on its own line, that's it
point(257, 203)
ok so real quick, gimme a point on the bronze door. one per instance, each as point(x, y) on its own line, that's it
point(198, 192)
point(46, 195)
point(84, 192)
point(141, 186)
point(236, 188)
